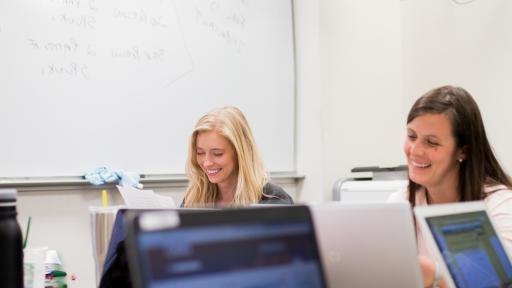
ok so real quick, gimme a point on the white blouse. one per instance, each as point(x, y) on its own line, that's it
point(499, 207)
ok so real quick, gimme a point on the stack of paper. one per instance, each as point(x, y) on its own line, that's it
point(145, 199)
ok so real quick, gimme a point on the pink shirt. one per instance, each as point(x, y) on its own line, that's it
point(499, 207)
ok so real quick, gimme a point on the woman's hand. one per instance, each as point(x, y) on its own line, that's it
point(428, 270)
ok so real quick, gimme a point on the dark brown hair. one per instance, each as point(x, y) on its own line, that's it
point(480, 166)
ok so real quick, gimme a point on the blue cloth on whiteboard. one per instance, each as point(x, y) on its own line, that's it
point(104, 175)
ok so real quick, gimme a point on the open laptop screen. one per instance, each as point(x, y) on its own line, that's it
point(262, 247)
point(471, 249)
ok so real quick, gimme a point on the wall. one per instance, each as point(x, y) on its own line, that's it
point(350, 107)
point(470, 45)
point(309, 105)
point(361, 98)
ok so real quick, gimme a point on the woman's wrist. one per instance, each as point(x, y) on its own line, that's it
point(432, 277)
point(437, 276)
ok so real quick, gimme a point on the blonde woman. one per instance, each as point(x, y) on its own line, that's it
point(224, 167)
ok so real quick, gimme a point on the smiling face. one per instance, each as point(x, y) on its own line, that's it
point(217, 158)
point(432, 152)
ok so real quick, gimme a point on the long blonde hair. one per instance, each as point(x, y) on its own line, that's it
point(231, 123)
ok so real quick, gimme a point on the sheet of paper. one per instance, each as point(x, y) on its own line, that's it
point(145, 199)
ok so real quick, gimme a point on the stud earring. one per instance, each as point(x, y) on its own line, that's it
point(460, 160)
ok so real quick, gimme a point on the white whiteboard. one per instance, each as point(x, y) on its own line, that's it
point(466, 43)
point(121, 83)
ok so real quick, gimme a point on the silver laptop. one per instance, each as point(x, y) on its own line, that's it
point(367, 244)
point(468, 249)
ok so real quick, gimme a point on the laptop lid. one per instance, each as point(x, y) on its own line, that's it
point(466, 244)
point(119, 232)
point(252, 247)
point(367, 244)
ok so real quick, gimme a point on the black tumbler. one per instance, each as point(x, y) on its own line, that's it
point(11, 254)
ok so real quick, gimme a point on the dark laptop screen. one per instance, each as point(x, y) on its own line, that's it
point(252, 253)
point(471, 249)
